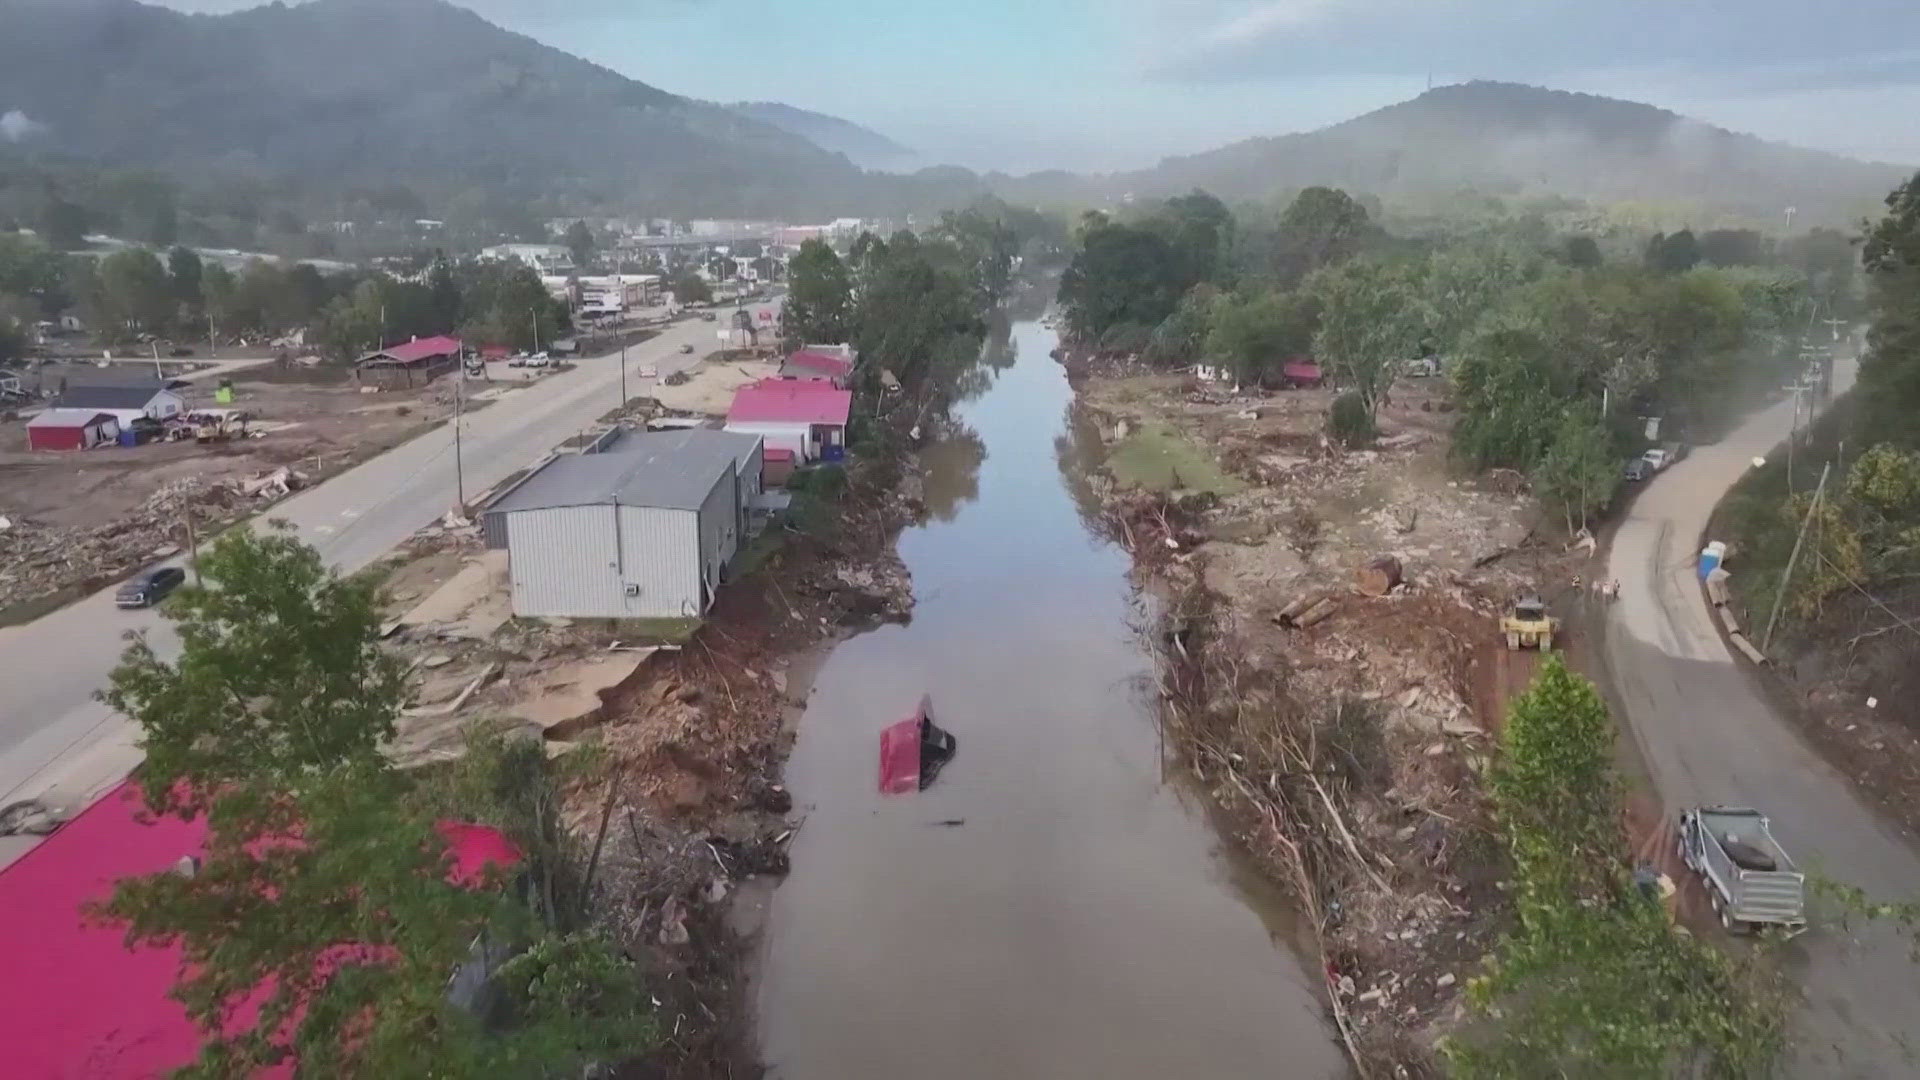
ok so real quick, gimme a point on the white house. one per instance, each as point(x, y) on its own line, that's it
point(546, 258)
point(807, 418)
point(644, 529)
point(125, 402)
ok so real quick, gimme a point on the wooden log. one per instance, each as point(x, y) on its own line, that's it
point(1740, 642)
point(1378, 577)
point(1727, 620)
point(1295, 609)
point(1316, 613)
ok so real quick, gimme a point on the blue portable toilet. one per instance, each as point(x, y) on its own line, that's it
point(1711, 557)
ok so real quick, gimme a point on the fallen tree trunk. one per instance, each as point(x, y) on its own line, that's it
point(1379, 577)
point(1317, 613)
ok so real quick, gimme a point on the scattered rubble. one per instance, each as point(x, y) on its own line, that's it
point(1332, 669)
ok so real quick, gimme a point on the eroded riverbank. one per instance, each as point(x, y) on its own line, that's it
point(1056, 905)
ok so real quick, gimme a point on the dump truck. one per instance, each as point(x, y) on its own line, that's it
point(1528, 626)
point(1751, 882)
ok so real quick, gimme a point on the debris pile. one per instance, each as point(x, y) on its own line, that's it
point(39, 562)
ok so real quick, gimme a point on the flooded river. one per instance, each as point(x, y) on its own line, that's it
point(1082, 918)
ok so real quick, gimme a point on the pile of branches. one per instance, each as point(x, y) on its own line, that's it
point(1287, 777)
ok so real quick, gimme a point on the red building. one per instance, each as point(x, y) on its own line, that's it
point(71, 429)
point(416, 363)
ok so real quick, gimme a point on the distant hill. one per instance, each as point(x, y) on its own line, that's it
point(863, 146)
point(341, 92)
point(1503, 137)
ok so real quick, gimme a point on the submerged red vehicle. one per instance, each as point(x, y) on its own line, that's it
point(913, 751)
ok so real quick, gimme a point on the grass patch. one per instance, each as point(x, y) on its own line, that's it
point(1155, 458)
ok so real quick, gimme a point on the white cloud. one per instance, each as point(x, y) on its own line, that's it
point(16, 125)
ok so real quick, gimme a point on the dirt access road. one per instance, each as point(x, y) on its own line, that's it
point(1709, 735)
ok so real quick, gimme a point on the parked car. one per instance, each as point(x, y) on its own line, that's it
point(149, 587)
point(1657, 459)
point(686, 349)
point(709, 317)
point(538, 359)
point(1637, 469)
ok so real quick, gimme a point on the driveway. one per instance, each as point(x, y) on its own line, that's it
point(1708, 735)
point(55, 739)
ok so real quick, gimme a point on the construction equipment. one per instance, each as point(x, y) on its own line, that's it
point(219, 425)
point(1751, 882)
point(1528, 626)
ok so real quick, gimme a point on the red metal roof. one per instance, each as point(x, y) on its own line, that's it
point(76, 1003)
point(826, 363)
point(789, 401)
point(420, 349)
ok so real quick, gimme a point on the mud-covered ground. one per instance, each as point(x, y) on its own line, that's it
point(1349, 746)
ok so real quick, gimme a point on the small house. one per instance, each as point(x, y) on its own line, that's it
point(806, 417)
point(818, 365)
point(415, 363)
point(643, 529)
point(126, 402)
point(71, 429)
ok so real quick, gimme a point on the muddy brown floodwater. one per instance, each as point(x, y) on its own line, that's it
point(1055, 905)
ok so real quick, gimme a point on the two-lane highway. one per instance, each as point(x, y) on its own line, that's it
point(1709, 736)
point(53, 734)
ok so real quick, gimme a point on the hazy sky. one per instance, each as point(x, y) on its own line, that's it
point(1096, 84)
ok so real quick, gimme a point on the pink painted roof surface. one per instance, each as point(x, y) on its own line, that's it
point(422, 348)
point(835, 366)
point(75, 1002)
point(790, 401)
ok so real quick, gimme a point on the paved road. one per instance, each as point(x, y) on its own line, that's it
point(1709, 736)
point(54, 737)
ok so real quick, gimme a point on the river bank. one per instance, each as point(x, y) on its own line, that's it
point(1343, 725)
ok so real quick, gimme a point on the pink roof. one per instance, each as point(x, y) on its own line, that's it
point(790, 401)
point(835, 366)
point(76, 1003)
point(422, 349)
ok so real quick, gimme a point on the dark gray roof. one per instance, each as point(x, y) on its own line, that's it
point(108, 396)
point(675, 470)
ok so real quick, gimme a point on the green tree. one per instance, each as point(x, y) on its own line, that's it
point(63, 224)
point(1199, 230)
point(1581, 252)
point(1673, 254)
point(280, 674)
point(1580, 470)
point(1733, 247)
point(134, 294)
point(1121, 274)
point(819, 306)
point(1322, 227)
point(1181, 338)
point(919, 318)
point(1372, 317)
point(580, 242)
point(13, 339)
point(1889, 388)
point(1257, 334)
point(186, 273)
point(1464, 281)
point(690, 288)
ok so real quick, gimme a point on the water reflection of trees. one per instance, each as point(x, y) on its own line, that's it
point(1078, 452)
point(951, 466)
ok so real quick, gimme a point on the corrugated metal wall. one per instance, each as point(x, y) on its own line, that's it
point(567, 561)
point(719, 527)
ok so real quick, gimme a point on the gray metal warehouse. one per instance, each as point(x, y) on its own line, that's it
point(644, 529)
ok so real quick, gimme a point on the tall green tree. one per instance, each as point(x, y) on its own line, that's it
point(1256, 335)
point(1121, 275)
point(63, 224)
point(1889, 390)
point(1322, 227)
point(1580, 470)
point(186, 273)
point(580, 242)
point(690, 288)
point(1372, 318)
point(134, 294)
point(819, 307)
point(279, 676)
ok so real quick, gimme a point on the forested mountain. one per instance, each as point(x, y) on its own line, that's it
point(863, 146)
point(424, 103)
point(418, 92)
point(1507, 138)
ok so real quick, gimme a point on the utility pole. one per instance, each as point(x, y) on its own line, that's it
point(623, 376)
point(1786, 579)
point(193, 544)
point(213, 336)
point(459, 467)
point(159, 375)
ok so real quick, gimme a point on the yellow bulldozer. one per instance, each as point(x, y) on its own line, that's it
point(1528, 626)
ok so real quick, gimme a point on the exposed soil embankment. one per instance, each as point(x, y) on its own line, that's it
point(1332, 666)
